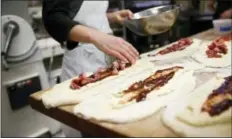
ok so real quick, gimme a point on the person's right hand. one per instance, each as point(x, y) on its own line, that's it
point(115, 46)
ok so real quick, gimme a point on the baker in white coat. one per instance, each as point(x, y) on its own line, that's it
point(82, 27)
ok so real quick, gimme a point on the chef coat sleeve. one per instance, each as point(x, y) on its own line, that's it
point(57, 18)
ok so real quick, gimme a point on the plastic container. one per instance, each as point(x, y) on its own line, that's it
point(222, 26)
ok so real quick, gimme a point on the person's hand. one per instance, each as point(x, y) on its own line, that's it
point(120, 16)
point(115, 46)
point(226, 14)
point(211, 5)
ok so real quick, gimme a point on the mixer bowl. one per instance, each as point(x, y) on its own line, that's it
point(153, 21)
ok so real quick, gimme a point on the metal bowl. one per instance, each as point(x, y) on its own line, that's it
point(153, 21)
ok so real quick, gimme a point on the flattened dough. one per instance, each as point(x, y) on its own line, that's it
point(174, 55)
point(193, 115)
point(102, 108)
point(193, 123)
point(61, 94)
point(224, 61)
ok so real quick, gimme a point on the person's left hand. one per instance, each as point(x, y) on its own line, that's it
point(120, 16)
point(226, 14)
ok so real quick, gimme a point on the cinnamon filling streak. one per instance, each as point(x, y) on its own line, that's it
point(139, 90)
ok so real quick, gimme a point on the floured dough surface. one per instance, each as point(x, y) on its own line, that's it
point(61, 94)
point(224, 61)
point(106, 108)
point(188, 51)
point(186, 118)
point(193, 115)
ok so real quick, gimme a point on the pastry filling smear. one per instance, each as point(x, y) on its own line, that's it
point(139, 90)
point(218, 47)
point(220, 99)
point(101, 74)
point(180, 45)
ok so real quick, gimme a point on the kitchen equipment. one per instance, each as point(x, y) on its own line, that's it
point(222, 26)
point(23, 73)
point(17, 34)
point(153, 21)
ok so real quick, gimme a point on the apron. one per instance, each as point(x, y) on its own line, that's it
point(86, 57)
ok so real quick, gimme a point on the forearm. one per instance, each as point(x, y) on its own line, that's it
point(84, 34)
point(226, 14)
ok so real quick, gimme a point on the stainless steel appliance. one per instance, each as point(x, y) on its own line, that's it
point(23, 73)
point(153, 21)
